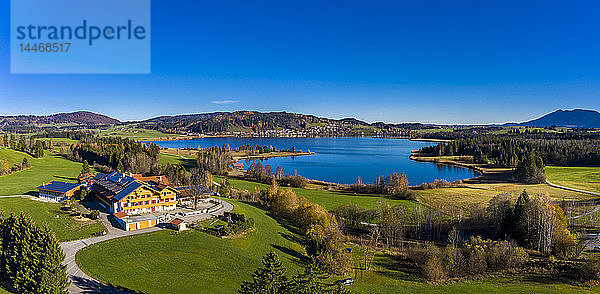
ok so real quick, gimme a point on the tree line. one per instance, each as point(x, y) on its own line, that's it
point(507, 151)
point(30, 146)
point(116, 153)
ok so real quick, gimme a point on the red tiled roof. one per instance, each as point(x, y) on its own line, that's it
point(120, 214)
point(176, 221)
point(159, 180)
point(85, 176)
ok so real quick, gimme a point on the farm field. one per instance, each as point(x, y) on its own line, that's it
point(43, 213)
point(480, 194)
point(583, 178)
point(188, 261)
point(50, 167)
point(135, 133)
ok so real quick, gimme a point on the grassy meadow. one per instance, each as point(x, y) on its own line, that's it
point(185, 160)
point(583, 178)
point(43, 213)
point(480, 194)
point(330, 199)
point(135, 133)
point(50, 167)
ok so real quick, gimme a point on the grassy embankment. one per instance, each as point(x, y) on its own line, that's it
point(46, 169)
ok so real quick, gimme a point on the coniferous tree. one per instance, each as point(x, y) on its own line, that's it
point(85, 167)
point(314, 281)
point(269, 279)
point(31, 256)
point(519, 216)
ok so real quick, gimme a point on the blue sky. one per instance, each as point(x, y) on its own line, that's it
point(392, 61)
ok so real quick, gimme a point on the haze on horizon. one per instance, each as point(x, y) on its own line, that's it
point(464, 62)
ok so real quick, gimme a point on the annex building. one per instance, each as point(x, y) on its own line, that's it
point(56, 191)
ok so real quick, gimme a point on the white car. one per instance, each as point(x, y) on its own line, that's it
point(596, 249)
point(347, 282)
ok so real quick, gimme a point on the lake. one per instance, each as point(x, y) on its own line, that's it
point(341, 160)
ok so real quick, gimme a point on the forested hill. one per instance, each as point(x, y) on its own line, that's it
point(242, 121)
point(239, 120)
point(21, 123)
point(577, 118)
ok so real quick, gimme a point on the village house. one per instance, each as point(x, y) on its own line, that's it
point(119, 192)
point(86, 179)
point(56, 191)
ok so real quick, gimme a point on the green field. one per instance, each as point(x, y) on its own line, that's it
point(46, 169)
point(184, 160)
point(135, 133)
point(43, 213)
point(13, 157)
point(50, 167)
point(480, 194)
point(583, 178)
point(192, 261)
point(328, 199)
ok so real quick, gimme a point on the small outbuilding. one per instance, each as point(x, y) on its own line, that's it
point(178, 224)
point(56, 191)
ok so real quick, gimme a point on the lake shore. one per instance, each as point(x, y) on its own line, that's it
point(486, 174)
point(271, 155)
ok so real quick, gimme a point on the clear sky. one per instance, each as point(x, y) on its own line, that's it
point(392, 61)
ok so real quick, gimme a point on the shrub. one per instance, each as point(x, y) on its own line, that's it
point(293, 181)
point(433, 270)
point(95, 214)
point(590, 270)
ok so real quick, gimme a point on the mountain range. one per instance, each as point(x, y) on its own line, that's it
point(258, 121)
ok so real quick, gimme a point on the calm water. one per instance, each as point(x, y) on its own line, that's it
point(341, 160)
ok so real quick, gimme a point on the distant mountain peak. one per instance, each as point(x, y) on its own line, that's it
point(575, 118)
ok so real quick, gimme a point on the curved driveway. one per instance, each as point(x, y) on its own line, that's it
point(80, 281)
point(580, 191)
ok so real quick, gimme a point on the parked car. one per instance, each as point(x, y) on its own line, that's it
point(596, 249)
point(347, 282)
point(98, 234)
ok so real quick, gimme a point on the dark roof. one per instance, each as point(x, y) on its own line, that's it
point(60, 187)
point(116, 185)
point(128, 189)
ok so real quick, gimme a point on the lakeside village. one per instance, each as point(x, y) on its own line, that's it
point(136, 202)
